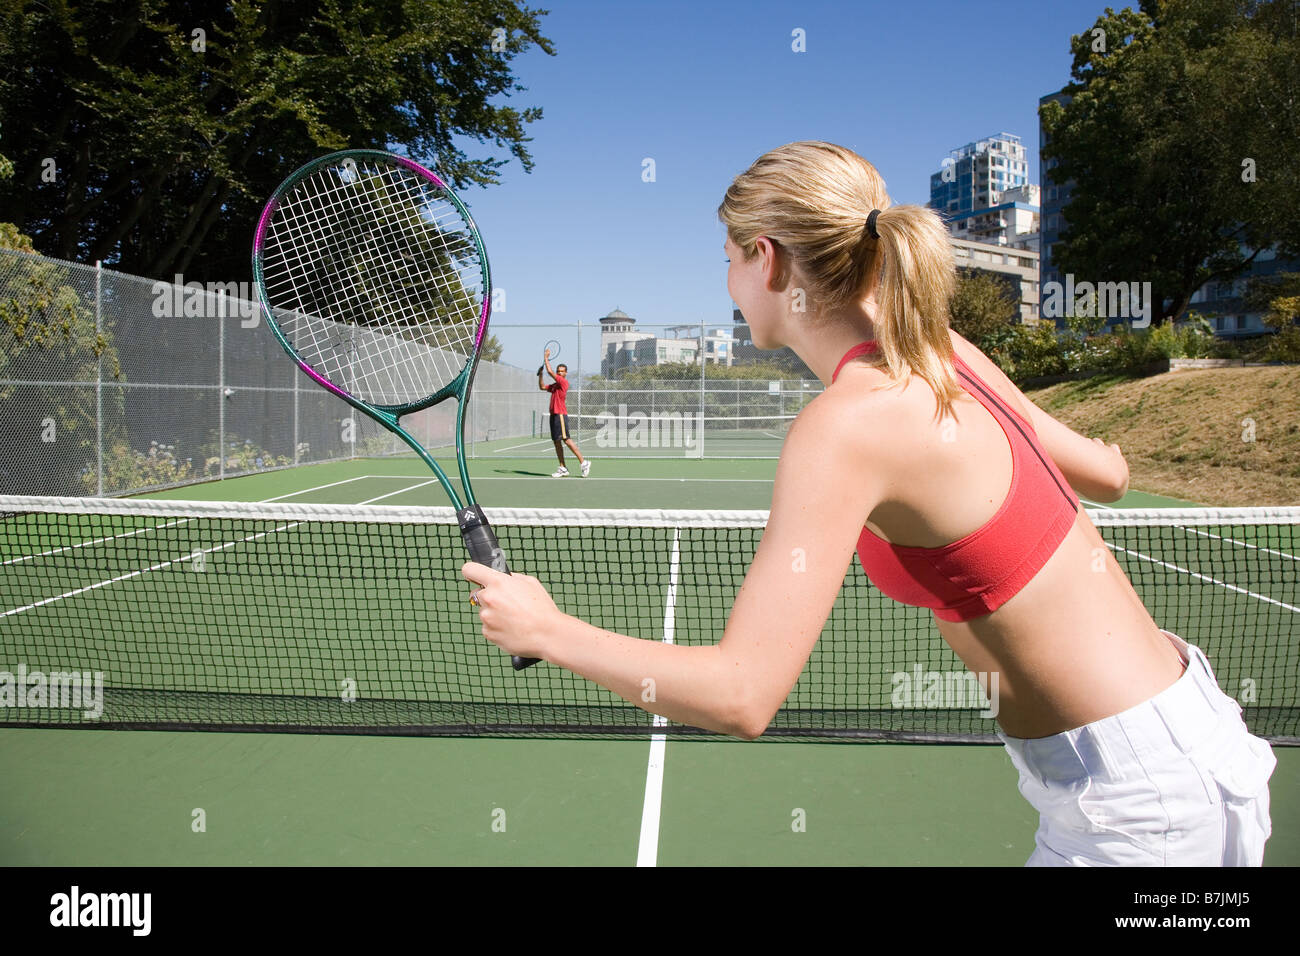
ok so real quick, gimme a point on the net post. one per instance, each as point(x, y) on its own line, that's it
point(99, 381)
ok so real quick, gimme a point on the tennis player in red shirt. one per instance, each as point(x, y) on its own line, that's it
point(559, 389)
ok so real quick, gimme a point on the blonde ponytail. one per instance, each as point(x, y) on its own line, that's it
point(916, 283)
point(814, 199)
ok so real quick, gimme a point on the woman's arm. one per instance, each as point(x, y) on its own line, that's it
point(824, 491)
point(1095, 470)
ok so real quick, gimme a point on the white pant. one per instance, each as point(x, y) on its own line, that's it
point(1174, 781)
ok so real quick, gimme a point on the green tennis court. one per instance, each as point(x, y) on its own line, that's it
point(93, 797)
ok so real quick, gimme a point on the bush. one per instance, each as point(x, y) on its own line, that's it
point(1026, 351)
point(126, 469)
point(1282, 347)
point(241, 455)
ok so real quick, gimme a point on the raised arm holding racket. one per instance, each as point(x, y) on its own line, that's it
point(559, 412)
point(960, 496)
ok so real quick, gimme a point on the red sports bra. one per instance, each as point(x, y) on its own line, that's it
point(982, 571)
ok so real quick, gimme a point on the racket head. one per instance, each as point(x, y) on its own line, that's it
point(373, 277)
point(553, 347)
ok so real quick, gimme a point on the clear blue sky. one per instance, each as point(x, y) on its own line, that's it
point(703, 88)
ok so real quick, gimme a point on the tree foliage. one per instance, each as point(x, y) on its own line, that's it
point(1279, 297)
point(1179, 139)
point(982, 305)
point(767, 371)
point(165, 124)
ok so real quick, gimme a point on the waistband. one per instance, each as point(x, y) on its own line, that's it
point(1192, 714)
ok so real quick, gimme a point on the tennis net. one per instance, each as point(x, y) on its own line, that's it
point(154, 614)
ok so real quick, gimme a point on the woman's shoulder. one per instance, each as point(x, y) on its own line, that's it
point(843, 445)
point(990, 374)
point(854, 414)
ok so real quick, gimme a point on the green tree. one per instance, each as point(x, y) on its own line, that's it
point(1262, 292)
point(1179, 139)
point(48, 336)
point(982, 305)
point(154, 131)
point(1279, 296)
point(766, 371)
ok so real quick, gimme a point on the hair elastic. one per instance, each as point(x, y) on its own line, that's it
point(871, 224)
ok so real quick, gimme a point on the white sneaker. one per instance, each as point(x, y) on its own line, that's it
point(586, 468)
point(560, 472)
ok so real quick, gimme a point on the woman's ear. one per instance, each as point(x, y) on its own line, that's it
point(773, 260)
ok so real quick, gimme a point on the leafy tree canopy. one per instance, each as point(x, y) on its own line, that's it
point(982, 305)
point(1179, 137)
point(152, 132)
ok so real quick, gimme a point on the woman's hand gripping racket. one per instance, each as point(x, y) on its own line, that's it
point(373, 277)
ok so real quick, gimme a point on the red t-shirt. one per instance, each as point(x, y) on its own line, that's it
point(558, 389)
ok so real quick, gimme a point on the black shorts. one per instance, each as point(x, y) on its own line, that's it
point(559, 427)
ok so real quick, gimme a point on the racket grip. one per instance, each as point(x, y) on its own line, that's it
point(481, 541)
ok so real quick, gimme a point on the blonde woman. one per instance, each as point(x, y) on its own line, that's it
point(959, 495)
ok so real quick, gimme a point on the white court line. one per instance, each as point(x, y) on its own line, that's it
point(1240, 544)
point(188, 557)
point(295, 494)
point(647, 853)
point(158, 527)
point(767, 481)
point(527, 444)
point(1203, 577)
point(1217, 537)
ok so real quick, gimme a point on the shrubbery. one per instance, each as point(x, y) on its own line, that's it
point(1026, 352)
point(127, 469)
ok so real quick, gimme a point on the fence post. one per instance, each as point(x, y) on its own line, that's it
point(295, 415)
point(221, 398)
point(702, 364)
point(581, 372)
point(99, 380)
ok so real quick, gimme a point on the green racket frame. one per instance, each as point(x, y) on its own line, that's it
point(475, 530)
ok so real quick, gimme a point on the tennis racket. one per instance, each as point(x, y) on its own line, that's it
point(373, 277)
point(552, 347)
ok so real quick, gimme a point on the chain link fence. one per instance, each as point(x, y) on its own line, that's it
point(112, 384)
point(641, 390)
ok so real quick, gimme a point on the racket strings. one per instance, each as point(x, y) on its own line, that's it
point(376, 280)
point(334, 291)
point(392, 358)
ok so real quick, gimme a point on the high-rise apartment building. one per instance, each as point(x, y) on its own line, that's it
point(976, 175)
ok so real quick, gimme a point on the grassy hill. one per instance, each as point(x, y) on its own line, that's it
point(1188, 434)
